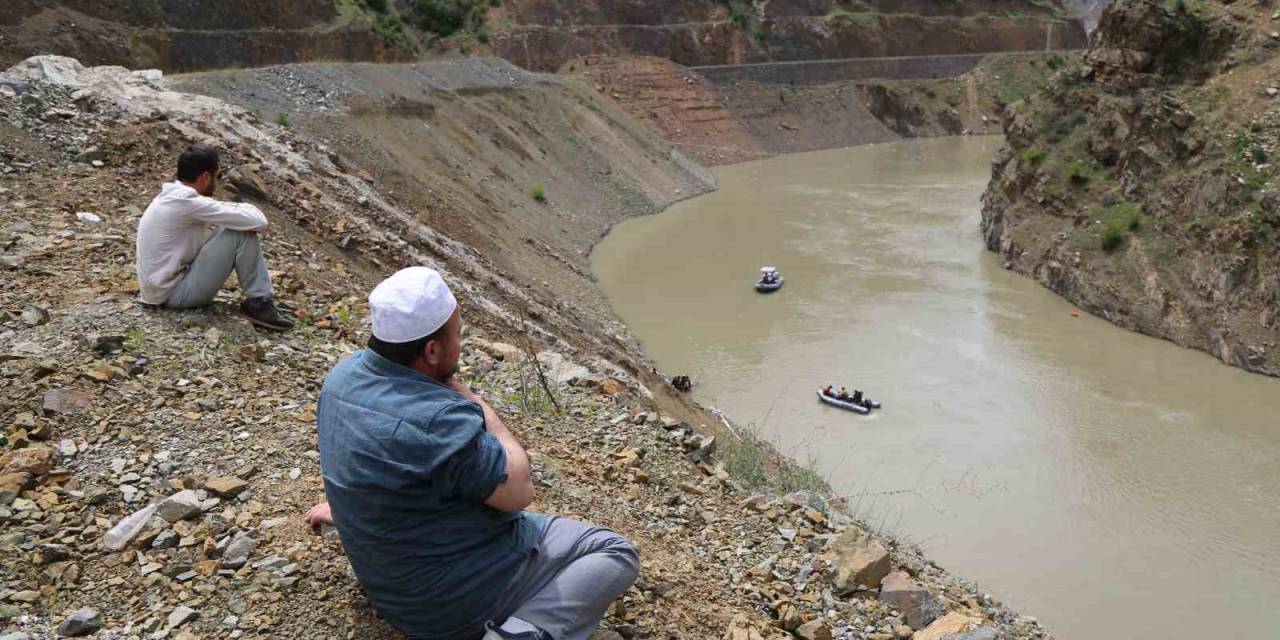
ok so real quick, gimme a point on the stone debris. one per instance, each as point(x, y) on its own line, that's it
point(179, 506)
point(910, 597)
point(226, 487)
point(81, 623)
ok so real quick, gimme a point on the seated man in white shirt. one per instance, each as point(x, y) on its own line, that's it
point(188, 244)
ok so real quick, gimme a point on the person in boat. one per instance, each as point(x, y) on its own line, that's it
point(857, 396)
point(826, 391)
point(844, 395)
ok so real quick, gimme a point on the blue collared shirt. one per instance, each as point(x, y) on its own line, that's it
point(407, 465)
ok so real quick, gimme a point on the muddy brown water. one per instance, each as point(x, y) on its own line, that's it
point(1110, 484)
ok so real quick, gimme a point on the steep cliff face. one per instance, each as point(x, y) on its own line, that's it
point(186, 36)
point(1140, 183)
point(544, 34)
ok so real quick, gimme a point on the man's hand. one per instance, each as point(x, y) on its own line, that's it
point(462, 389)
point(319, 515)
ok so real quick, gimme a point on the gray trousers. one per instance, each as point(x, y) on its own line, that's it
point(223, 251)
point(567, 584)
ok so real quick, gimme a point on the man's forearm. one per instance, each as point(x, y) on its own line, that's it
point(516, 456)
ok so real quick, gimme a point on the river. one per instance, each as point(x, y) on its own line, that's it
point(1110, 484)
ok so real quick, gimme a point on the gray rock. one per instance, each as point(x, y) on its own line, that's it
point(17, 635)
point(982, 633)
point(81, 623)
point(238, 551)
point(33, 316)
point(179, 506)
point(12, 263)
point(181, 616)
point(912, 599)
point(167, 539)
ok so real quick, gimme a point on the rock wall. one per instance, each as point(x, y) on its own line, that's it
point(185, 36)
point(1139, 184)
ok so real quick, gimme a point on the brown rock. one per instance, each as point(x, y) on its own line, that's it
point(66, 401)
point(911, 598)
point(226, 487)
point(12, 484)
point(953, 623)
point(246, 181)
point(814, 630)
point(611, 386)
point(33, 460)
point(860, 562)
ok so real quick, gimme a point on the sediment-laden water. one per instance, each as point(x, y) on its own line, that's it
point(1113, 485)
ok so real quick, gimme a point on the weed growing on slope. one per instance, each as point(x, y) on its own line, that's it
point(1117, 221)
point(282, 119)
point(1034, 156)
point(538, 192)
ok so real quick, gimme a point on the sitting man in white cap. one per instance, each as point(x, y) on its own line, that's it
point(426, 487)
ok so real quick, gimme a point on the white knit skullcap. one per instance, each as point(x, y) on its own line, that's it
point(413, 303)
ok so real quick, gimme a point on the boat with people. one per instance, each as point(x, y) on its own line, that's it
point(856, 402)
point(770, 280)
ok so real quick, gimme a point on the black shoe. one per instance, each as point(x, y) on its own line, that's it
point(263, 312)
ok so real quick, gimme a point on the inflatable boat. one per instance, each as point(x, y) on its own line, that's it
point(848, 406)
point(775, 278)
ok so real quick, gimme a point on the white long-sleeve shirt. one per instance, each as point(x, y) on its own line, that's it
point(172, 230)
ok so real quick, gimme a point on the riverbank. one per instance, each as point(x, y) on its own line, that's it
point(109, 406)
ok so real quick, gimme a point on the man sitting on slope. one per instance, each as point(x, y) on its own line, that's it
point(426, 487)
point(181, 264)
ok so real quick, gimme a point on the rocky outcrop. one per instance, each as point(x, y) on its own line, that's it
point(1138, 184)
point(544, 35)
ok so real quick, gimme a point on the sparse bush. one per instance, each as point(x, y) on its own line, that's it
point(1034, 156)
point(1118, 219)
point(1078, 173)
point(1112, 235)
point(538, 192)
point(447, 17)
point(483, 37)
point(376, 5)
point(1259, 155)
point(740, 16)
point(282, 119)
point(390, 29)
point(135, 338)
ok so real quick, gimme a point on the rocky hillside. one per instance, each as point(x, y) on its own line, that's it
point(108, 408)
point(1141, 184)
point(536, 34)
point(723, 123)
point(544, 34)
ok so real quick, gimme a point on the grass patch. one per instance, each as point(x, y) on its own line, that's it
point(1034, 156)
point(756, 465)
point(282, 119)
point(135, 338)
point(1118, 221)
point(538, 192)
point(1078, 173)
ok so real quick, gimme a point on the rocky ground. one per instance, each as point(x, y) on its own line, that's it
point(109, 409)
point(1140, 183)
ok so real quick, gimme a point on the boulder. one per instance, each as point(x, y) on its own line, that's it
point(947, 626)
point(238, 551)
point(981, 633)
point(246, 181)
point(813, 630)
point(179, 506)
point(35, 460)
point(860, 563)
point(81, 623)
point(11, 485)
point(66, 401)
point(226, 487)
point(911, 598)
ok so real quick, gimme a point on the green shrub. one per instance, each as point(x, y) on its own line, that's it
point(1034, 156)
point(1078, 173)
point(483, 37)
point(447, 17)
point(390, 29)
point(1112, 235)
point(1259, 155)
point(538, 192)
point(282, 119)
point(376, 5)
point(740, 16)
point(1118, 219)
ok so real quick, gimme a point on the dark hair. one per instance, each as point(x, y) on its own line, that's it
point(403, 353)
point(197, 159)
